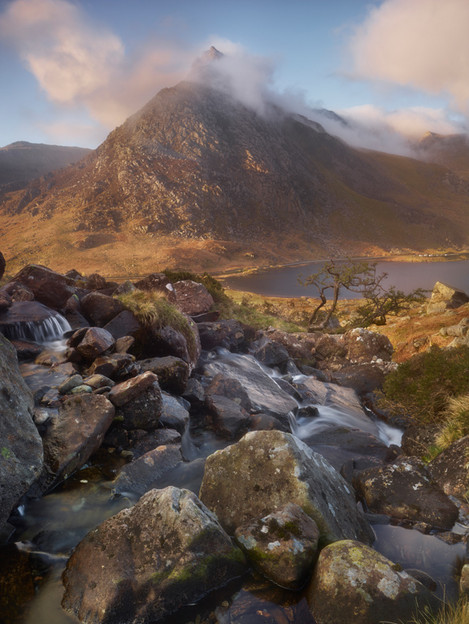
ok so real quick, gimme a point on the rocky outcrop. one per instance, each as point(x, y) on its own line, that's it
point(445, 297)
point(266, 470)
point(148, 561)
point(21, 455)
point(354, 583)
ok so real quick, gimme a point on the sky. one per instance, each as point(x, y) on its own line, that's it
point(72, 70)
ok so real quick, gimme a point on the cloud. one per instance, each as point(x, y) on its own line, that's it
point(422, 44)
point(82, 65)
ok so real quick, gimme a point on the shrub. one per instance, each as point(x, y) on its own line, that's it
point(422, 386)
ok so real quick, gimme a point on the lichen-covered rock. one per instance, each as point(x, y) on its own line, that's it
point(403, 489)
point(143, 411)
point(445, 297)
point(73, 436)
point(354, 584)
point(266, 470)
point(21, 456)
point(450, 469)
point(282, 546)
point(148, 561)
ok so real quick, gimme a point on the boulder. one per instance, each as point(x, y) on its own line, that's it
point(144, 410)
point(94, 343)
point(272, 354)
point(174, 413)
point(147, 562)
point(72, 437)
point(229, 419)
point(129, 390)
point(50, 288)
point(123, 324)
point(156, 341)
point(116, 366)
point(172, 372)
point(282, 546)
point(403, 489)
point(99, 309)
point(227, 334)
point(191, 297)
point(445, 297)
point(2, 265)
point(364, 345)
point(264, 393)
point(154, 281)
point(21, 455)
point(354, 583)
point(266, 470)
point(450, 469)
point(222, 385)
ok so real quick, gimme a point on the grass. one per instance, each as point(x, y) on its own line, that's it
point(456, 424)
point(151, 308)
point(453, 613)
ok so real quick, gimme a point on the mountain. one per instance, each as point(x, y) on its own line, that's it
point(451, 150)
point(198, 179)
point(21, 162)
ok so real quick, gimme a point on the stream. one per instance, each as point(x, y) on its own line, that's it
point(47, 529)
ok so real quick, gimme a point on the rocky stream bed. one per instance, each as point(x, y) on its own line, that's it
point(159, 472)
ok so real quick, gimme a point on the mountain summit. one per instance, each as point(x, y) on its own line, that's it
point(197, 175)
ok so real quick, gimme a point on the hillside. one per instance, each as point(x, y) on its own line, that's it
point(197, 176)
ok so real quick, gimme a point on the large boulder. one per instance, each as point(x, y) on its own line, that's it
point(146, 562)
point(73, 436)
point(354, 583)
point(49, 287)
point(99, 309)
point(445, 297)
point(266, 470)
point(95, 342)
point(191, 297)
point(228, 334)
point(450, 469)
point(21, 456)
point(172, 372)
point(403, 489)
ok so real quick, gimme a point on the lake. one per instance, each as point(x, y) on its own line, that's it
point(406, 276)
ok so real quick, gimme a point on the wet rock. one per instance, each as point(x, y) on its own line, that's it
point(50, 288)
point(15, 291)
point(403, 489)
point(99, 309)
point(270, 353)
point(140, 442)
point(99, 381)
point(174, 413)
point(192, 298)
point(363, 378)
point(445, 297)
point(231, 388)
point(145, 473)
point(94, 343)
point(264, 394)
point(128, 390)
point(229, 419)
point(194, 392)
point(266, 470)
point(115, 366)
point(31, 321)
point(450, 469)
point(16, 583)
point(72, 437)
point(124, 344)
point(123, 324)
point(264, 422)
point(282, 546)
point(21, 455)
point(354, 583)
point(172, 372)
point(26, 350)
point(144, 410)
point(148, 561)
point(69, 384)
point(227, 334)
point(299, 345)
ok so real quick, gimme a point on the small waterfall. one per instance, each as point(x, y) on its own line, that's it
point(41, 331)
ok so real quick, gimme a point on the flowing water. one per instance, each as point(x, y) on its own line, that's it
point(49, 528)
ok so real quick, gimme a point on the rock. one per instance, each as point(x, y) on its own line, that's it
point(403, 489)
point(129, 390)
point(5, 301)
point(72, 437)
point(95, 281)
point(99, 381)
point(299, 345)
point(99, 309)
point(124, 344)
point(264, 394)
point(154, 281)
point(363, 378)
point(192, 298)
point(450, 469)
point(115, 366)
point(222, 385)
point(227, 334)
point(146, 562)
point(282, 546)
point(94, 343)
point(31, 321)
point(21, 456)
point(50, 288)
point(229, 419)
point(143, 411)
point(2, 265)
point(69, 384)
point(464, 580)
point(174, 413)
point(363, 345)
point(266, 470)
point(123, 324)
point(445, 297)
point(156, 341)
point(172, 372)
point(145, 473)
point(270, 353)
point(354, 583)
point(17, 292)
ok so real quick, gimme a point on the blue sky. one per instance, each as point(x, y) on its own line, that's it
point(72, 70)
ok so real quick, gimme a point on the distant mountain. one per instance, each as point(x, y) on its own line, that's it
point(21, 162)
point(196, 178)
point(450, 150)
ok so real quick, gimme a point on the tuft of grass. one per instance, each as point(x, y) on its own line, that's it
point(152, 309)
point(453, 613)
point(456, 424)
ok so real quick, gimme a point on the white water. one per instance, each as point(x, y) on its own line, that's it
point(48, 330)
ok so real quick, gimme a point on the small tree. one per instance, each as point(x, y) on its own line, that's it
point(362, 278)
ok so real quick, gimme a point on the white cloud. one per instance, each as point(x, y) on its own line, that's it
point(422, 44)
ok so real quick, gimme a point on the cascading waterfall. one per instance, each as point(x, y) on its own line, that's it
point(41, 331)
